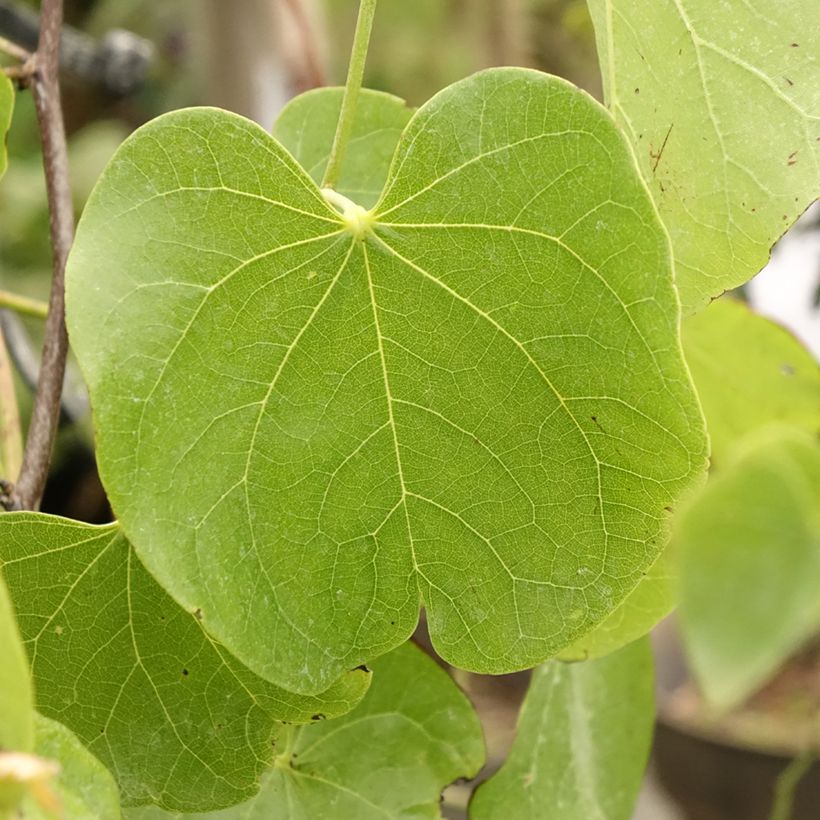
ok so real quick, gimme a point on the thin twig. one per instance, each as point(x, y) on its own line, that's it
point(45, 88)
point(314, 71)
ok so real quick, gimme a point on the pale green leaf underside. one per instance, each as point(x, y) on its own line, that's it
point(6, 109)
point(749, 372)
point(482, 407)
point(749, 551)
point(413, 733)
point(175, 718)
point(721, 102)
point(16, 696)
point(84, 787)
point(583, 739)
point(307, 125)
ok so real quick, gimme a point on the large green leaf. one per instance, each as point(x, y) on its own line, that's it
point(583, 740)
point(177, 720)
point(474, 396)
point(6, 109)
point(83, 787)
point(307, 125)
point(749, 372)
point(749, 551)
point(16, 696)
point(721, 102)
point(413, 733)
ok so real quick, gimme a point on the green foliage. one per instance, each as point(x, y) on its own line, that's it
point(177, 720)
point(749, 553)
point(307, 124)
point(721, 103)
point(582, 743)
point(16, 696)
point(413, 733)
point(83, 787)
point(749, 372)
point(465, 397)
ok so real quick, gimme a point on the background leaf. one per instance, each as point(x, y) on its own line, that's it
point(413, 733)
point(307, 125)
point(749, 552)
point(84, 787)
point(484, 403)
point(749, 372)
point(583, 739)
point(721, 103)
point(177, 720)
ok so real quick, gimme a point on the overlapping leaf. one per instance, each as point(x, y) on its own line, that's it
point(721, 102)
point(82, 788)
point(472, 397)
point(413, 733)
point(749, 551)
point(749, 372)
point(307, 125)
point(176, 719)
point(583, 739)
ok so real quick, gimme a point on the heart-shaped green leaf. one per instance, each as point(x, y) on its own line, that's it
point(177, 720)
point(307, 125)
point(413, 733)
point(472, 397)
point(583, 739)
point(721, 102)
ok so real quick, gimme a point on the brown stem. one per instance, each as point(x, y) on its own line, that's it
point(45, 88)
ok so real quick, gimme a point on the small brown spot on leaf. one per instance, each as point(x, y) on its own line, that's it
point(198, 614)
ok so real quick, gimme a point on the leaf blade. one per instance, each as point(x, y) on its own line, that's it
point(296, 408)
point(721, 106)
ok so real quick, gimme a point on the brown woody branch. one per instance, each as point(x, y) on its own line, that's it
point(43, 80)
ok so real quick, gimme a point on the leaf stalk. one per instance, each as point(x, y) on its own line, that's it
point(23, 305)
point(353, 85)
